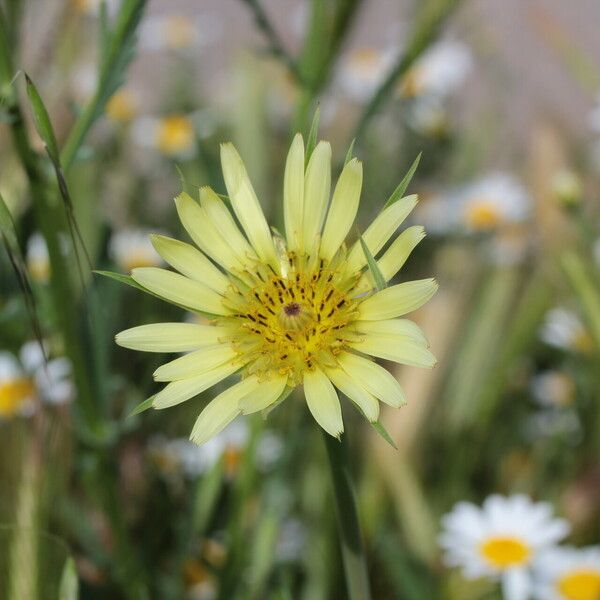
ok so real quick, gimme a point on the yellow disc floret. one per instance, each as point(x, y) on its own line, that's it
point(293, 322)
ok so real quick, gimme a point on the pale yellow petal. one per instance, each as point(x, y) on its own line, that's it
point(190, 262)
point(366, 402)
point(401, 350)
point(246, 206)
point(264, 395)
point(223, 222)
point(397, 300)
point(293, 194)
point(323, 402)
point(170, 337)
point(393, 327)
point(195, 363)
point(393, 259)
point(180, 391)
point(374, 378)
point(180, 290)
point(219, 412)
point(380, 231)
point(317, 186)
point(201, 229)
point(344, 205)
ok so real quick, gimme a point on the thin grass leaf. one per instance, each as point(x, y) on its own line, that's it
point(398, 193)
point(69, 584)
point(11, 244)
point(41, 119)
point(350, 152)
point(378, 277)
point(382, 431)
point(311, 141)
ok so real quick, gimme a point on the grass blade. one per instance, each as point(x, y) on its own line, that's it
point(398, 193)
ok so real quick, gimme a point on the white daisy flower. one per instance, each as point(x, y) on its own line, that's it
point(37, 259)
point(17, 392)
point(594, 116)
point(178, 32)
point(172, 135)
point(123, 106)
point(553, 388)
point(53, 380)
point(439, 71)
point(491, 202)
point(500, 540)
point(181, 455)
point(131, 248)
point(563, 329)
point(568, 574)
point(363, 70)
point(428, 117)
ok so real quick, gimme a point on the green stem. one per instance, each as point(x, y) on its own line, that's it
point(353, 556)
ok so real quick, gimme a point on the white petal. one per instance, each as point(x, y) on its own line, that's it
point(201, 229)
point(397, 300)
point(516, 584)
point(190, 262)
point(180, 290)
point(170, 337)
point(180, 391)
point(293, 193)
point(393, 327)
point(398, 349)
point(223, 222)
point(365, 401)
point(342, 212)
point(380, 231)
point(246, 205)
point(264, 395)
point(317, 187)
point(393, 259)
point(219, 412)
point(374, 378)
point(195, 363)
point(323, 402)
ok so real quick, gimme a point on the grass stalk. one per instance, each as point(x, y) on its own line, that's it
point(353, 555)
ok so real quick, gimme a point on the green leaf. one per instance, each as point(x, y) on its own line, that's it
point(8, 234)
point(350, 152)
point(381, 430)
point(69, 584)
point(399, 191)
point(378, 278)
point(141, 407)
point(41, 120)
point(311, 141)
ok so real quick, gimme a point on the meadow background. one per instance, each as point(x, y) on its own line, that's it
point(500, 99)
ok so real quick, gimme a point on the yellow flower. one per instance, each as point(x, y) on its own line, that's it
point(175, 135)
point(299, 311)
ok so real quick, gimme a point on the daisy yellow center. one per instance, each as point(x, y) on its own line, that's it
point(39, 269)
point(504, 552)
point(293, 324)
point(583, 584)
point(364, 60)
point(412, 84)
point(583, 342)
point(175, 134)
point(13, 394)
point(179, 32)
point(121, 107)
point(482, 215)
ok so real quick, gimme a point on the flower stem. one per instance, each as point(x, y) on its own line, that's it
point(353, 556)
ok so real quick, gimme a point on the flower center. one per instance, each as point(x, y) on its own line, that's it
point(175, 135)
point(503, 552)
point(291, 324)
point(13, 394)
point(580, 585)
point(482, 215)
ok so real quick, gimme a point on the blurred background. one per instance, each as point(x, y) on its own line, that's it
point(501, 99)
